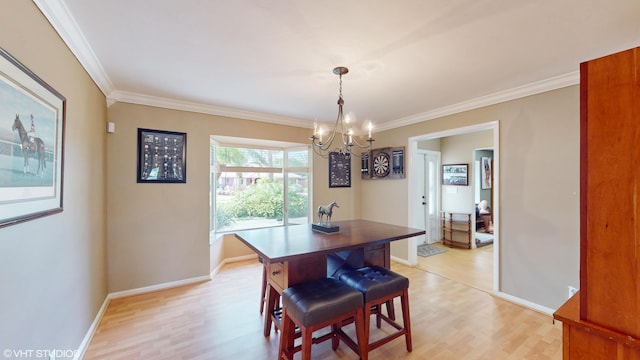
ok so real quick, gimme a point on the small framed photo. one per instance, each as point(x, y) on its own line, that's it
point(162, 156)
point(455, 174)
point(32, 116)
point(339, 169)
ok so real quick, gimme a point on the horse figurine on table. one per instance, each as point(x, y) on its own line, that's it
point(36, 146)
point(326, 210)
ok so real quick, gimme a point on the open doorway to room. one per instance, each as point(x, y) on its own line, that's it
point(483, 196)
point(477, 266)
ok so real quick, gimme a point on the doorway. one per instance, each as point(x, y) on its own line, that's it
point(418, 176)
point(483, 196)
point(427, 204)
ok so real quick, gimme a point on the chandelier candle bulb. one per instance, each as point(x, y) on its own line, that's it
point(346, 137)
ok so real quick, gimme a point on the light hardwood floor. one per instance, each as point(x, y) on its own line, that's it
point(219, 319)
point(472, 267)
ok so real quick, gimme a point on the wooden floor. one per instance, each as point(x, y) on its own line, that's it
point(219, 319)
point(472, 267)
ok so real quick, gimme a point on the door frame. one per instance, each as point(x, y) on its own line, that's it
point(412, 151)
point(418, 181)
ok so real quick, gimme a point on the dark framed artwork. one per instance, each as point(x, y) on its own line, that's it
point(339, 169)
point(162, 156)
point(32, 116)
point(364, 166)
point(486, 173)
point(383, 163)
point(455, 174)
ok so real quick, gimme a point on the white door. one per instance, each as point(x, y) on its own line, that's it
point(427, 203)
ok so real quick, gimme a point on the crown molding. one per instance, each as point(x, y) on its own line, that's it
point(141, 99)
point(557, 82)
point(63, 22)
point(553, 83)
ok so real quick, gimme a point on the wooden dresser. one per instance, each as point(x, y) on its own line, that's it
point(602, 321)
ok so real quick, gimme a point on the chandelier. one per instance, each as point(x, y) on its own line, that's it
point(341, 129)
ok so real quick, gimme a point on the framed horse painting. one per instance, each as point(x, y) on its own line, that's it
point(32, 117)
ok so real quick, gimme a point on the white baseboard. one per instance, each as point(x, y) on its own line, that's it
point(94, 325)
point(400, 260)
point(119, 294)
point(157, 287)
point(504, 296)
point(525, 303)
point(92, 329)
point(232, 260)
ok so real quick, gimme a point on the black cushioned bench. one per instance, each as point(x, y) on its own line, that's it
point(378, 286)
point(317, 304)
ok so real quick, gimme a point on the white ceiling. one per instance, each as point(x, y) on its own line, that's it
point(409, 60)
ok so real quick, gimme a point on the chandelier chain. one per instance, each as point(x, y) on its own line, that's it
point(348, 140)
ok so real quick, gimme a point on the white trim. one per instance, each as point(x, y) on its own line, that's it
point(94, 326)
point(525, 303)
point(64, 23)
point(412, 180)
point(66, 26)
point(96, 321)
point(92, 330)
point(231, 260)
point(401, 261)
point(157, 287)
point(412, 148)
point(497, 242)
point(556, 82)
point(141, 99)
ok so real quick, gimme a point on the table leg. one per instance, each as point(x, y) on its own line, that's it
point(273, 299)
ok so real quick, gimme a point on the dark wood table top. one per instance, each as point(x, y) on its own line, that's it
point(287, 242)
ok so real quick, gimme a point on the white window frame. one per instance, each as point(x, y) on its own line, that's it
point(285, 170)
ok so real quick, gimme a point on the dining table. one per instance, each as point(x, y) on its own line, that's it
point(295, 254)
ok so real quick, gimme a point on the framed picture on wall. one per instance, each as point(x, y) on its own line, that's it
point(32, 116)
point(339, 169)
point(162, 156)
point(485, 163)
point(455, 174)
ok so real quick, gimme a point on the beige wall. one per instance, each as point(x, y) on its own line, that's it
point(53, 269)
point(539, 191)
point(159, 233)
point(459, 150)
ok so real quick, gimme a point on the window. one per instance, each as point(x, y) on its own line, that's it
point(257, 186)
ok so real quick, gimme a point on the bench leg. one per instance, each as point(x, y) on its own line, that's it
point(406, 319)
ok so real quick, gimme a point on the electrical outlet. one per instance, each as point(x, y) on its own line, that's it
point(572, 291)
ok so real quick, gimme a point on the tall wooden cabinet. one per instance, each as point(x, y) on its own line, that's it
point(602, 321)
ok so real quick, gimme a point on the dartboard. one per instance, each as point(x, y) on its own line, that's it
point(381, 165)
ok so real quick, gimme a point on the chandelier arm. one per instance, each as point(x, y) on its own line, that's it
point(333, 133)
point(362, 146)
point(348, 141)
point(319, 152)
